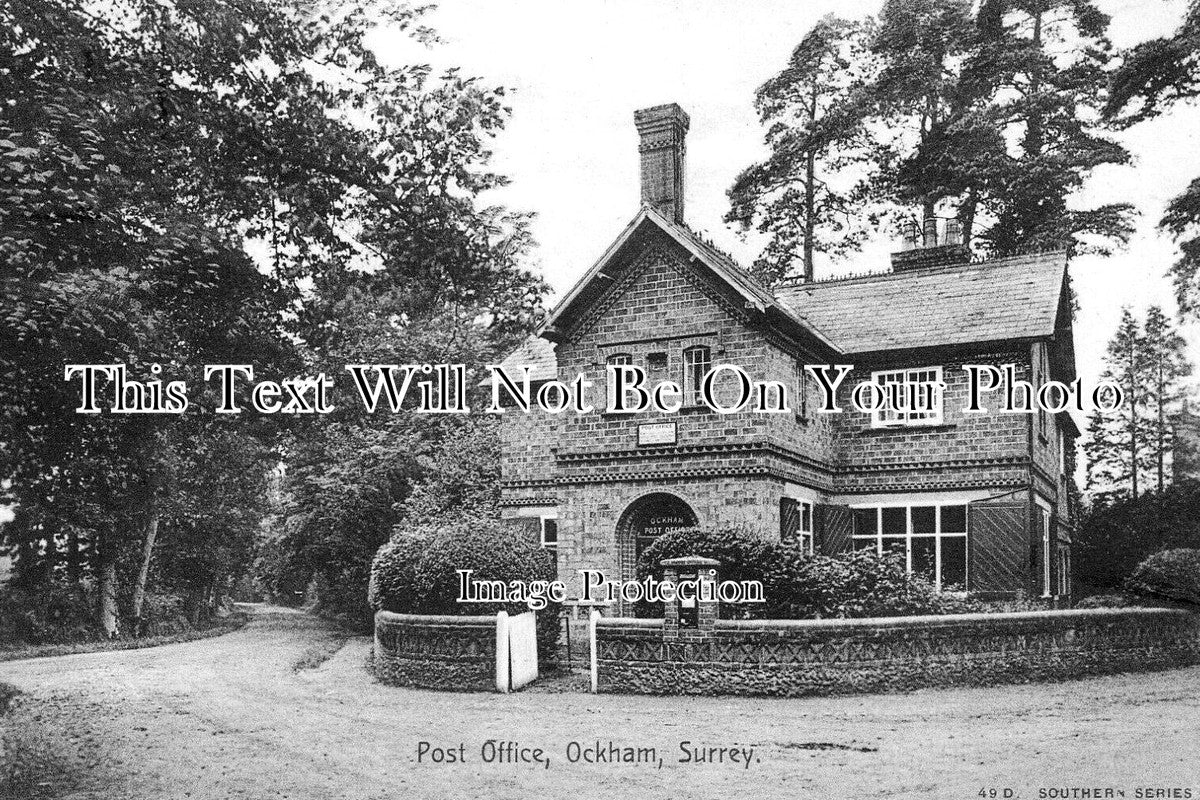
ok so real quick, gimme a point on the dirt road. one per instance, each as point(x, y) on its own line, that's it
point(232, 717)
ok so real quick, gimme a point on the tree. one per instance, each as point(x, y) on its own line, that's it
point(1166, 365)
point(1046, 65)
point(1117, 450)
point(210, 183)
point(986, 113)
point(1153, 77)
point(792, 196)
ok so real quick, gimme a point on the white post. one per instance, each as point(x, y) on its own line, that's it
point(502, 678)
point(595, 615)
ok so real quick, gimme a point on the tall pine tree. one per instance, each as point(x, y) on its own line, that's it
point(800, 197)
point(1117, 449)
point(1165, 353)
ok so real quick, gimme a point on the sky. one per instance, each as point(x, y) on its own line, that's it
point(579, 69)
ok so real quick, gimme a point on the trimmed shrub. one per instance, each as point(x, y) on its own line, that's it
point(1170, 574)
point(417, 574)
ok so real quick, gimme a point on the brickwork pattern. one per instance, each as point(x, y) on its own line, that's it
point(435, 652)
point(825, 657)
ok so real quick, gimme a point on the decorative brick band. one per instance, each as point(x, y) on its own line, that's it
point(435, 652)
point(807, 657)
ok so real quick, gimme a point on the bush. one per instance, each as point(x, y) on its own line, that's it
point(856, 584)
point(1170, 574)
point(797, 585)
point(743, 556)
point(417, 574)
point(1114, 539)
point(63, 613)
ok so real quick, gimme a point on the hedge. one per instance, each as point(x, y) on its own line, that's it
point(417, 573)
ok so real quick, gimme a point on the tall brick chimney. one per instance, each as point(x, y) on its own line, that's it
point(662, 130)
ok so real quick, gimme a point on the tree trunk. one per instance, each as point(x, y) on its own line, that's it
point(108, 593)
point(966, 216)
point(74, 555)
point(139, 589)
point(1133, 420)
point(810, 194)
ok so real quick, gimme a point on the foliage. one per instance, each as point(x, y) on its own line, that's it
point(218, 182)
point(1170, 574)
point(797, 585)
point(417, 573)
point(1153, 77)
point(1113, 539)
point(1128, 450)
point(986, 111)
point(63, 613)
point(860, 583)
point(800, 197)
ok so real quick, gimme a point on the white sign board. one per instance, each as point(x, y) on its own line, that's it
point(656, 433)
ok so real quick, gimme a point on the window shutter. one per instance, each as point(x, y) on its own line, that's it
point(789, 518)
point(836, 525)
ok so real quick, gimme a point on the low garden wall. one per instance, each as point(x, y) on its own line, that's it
point(436, 652)
point(805, 657)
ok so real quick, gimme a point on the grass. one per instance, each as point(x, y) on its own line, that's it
point(18, 651)
point(7, 693)
point(317, 654)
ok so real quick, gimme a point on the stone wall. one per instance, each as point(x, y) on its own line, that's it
point(819, 657)
point(436, 652)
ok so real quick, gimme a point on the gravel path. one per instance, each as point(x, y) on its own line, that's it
point(232, 717)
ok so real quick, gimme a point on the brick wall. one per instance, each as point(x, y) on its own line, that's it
point(964, 451)
point(791, 658)
point(435, 652)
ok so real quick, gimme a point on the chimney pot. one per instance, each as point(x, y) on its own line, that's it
point(953, 232)
point(662, 131)
point(930, 230)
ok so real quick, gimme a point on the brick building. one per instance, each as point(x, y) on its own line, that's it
point(975, 500)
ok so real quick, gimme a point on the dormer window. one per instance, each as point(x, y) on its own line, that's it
point(697, 361)
point(913, 397)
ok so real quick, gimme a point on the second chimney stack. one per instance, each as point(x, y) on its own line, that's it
point(662, 130)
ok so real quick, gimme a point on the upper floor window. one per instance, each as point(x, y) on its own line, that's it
point(697, 361)
point(656, 362)
point(796, 521)
point(618, 359)
point(912, 397)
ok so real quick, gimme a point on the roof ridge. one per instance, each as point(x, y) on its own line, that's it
point(1009, 259)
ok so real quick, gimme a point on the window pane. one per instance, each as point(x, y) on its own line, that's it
point(863, 543)
point(895, 521)
point(806, 517)
point(864, 522)
point(923, 519)
point(924, 557)
point(550, 532)
point(954, 519)
point(897, 546)
point(954, 562)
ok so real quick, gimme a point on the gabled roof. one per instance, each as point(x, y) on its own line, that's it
point(1005, 299)
point(1014, 298)
point(754, 294)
